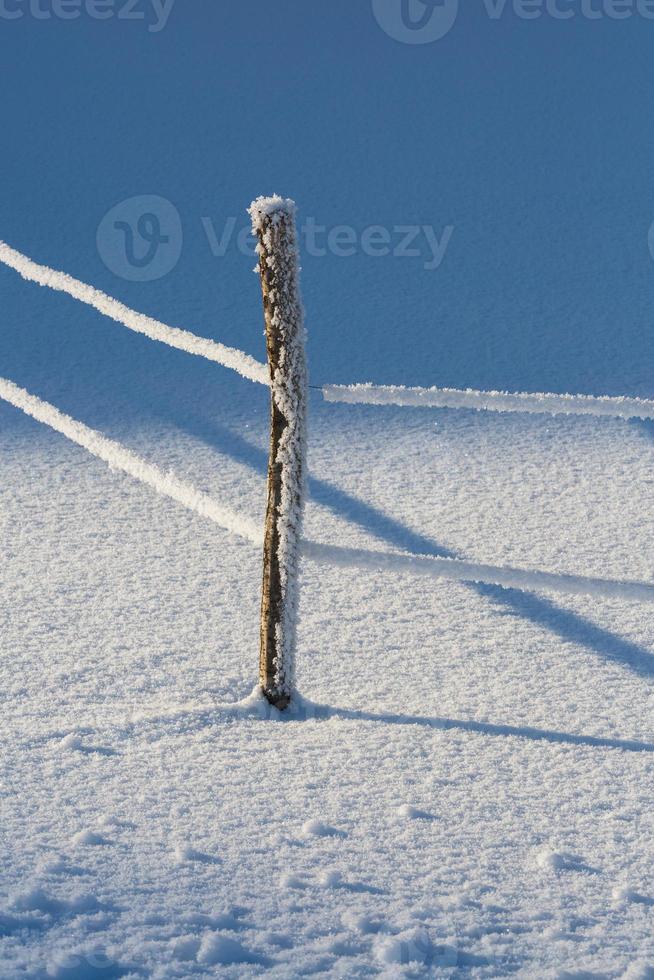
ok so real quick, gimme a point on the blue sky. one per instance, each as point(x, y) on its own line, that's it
point(532, 140)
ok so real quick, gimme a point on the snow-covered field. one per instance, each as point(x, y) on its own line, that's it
point(465, 787)
point(483, 756)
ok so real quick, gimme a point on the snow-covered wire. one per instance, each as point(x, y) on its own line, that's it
point(467, 571)
point(229, 357)
point(542, 403)
point(120, 458)
point(491, 401)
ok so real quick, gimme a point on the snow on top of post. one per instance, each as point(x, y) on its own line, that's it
point(265, 207)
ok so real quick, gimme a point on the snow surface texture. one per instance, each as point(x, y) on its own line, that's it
point(273, 223)
point(488, 812)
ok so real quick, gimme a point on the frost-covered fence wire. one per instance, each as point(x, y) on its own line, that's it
point(491, 401)
point(273, 224)
point(120, 458)
point(457, 570)
point(357, 394)
point(229, 357)
point(168, 485)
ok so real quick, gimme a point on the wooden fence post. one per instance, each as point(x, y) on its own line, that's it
point(273, 223)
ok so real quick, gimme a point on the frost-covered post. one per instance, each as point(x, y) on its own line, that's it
point(273, 223)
